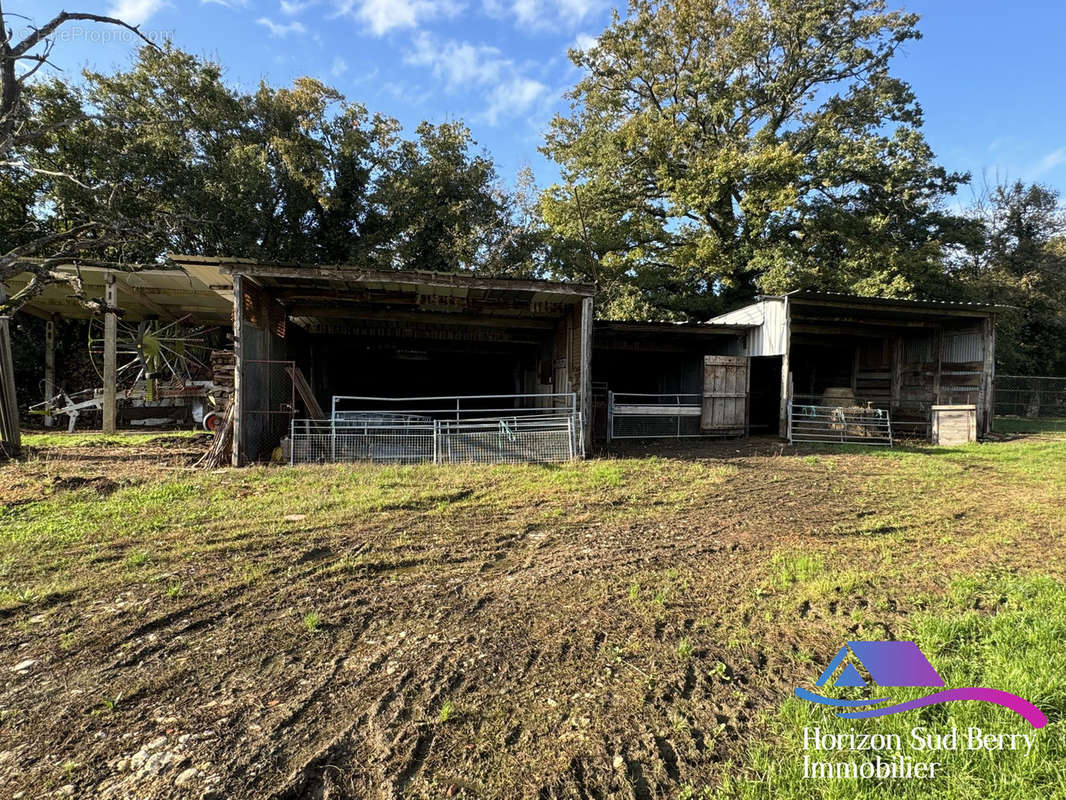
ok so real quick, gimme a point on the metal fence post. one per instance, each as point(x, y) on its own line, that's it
point(610, 415)
point(436, 441)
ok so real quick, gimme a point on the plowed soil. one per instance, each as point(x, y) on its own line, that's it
point(616, 629)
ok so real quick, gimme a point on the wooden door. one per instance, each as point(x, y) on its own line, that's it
point(725, 395)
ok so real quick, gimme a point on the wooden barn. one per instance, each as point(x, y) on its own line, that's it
point(900, 356)
point(349, 364)
point(342, 363)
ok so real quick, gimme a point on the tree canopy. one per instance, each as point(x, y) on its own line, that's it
point(715, 148)
point(190, 164)
point(1020, 264)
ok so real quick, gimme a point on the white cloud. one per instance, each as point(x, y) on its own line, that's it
point(513, 97)
point(280, 29)
point(340, 66)
point(543, 13)
point(585, 41)
point(1050, 161)
point(382, 16)
point(458, 63)
point(462, 65)
point(135, 12)
point(291, 8)
point(226, 3)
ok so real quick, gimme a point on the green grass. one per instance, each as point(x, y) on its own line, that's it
point(996, 631)
point(1026, 425)
point(312, 622)
point(447, 712)
point(49, 440)
point(741, 572)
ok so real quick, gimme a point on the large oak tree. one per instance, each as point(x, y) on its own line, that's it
point(715, 148)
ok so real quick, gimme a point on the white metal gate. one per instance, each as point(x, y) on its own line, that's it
point(839, 424)
point(443, 430)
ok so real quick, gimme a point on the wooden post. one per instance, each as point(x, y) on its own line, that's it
point(49, 370)
point(110, 354)
point(897, 373)
point(585, 379)
point(987, 414)
point(238, 368)
point(786, 373)
point(10, 433)
point(938, 339)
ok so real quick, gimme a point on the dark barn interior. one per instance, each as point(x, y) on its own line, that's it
point(652, 358)
point(371, 334)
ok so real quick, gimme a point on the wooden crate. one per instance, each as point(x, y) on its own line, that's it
point(954, 424)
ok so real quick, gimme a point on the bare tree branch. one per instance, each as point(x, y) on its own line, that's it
point(42, 255)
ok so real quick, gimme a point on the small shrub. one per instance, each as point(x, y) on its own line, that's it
point(447, 711)
point(312, 622)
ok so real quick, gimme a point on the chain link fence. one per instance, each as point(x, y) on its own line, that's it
point(1030, 396)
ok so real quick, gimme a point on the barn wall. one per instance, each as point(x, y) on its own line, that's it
point(769, 334)
point(262, 336)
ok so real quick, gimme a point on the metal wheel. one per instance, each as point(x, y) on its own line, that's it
point(159, 355)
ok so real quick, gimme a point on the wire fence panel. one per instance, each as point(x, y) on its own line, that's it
point(1030, 396)
point(507, 441)
point(653, 416)
point(839, 425)
point(402, 436)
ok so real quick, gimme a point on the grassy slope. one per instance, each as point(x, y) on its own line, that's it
point(825, 546)
point(90, 439)
point(997, 631)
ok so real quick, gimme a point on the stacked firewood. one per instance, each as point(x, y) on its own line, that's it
point(223, 363)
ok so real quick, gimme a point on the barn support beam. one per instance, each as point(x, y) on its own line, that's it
point(786, 372)
point(238, 370)
point(110, 409)
point(49, 370)
point(585, 380)
point(986, 415)
point(10, 433)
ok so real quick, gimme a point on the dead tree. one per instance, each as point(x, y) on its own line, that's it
point(39, 257)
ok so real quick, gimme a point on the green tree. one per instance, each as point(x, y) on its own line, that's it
point(1020, 264)
point(721, 147)
point(296, 174)
point(446, 209)
point(30, 241)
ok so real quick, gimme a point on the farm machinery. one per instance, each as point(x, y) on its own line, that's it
point(162, 369)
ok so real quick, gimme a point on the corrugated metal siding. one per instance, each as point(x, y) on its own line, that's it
point(963, 347)
point(768, 339)
point(917, 350)
point(748, 315)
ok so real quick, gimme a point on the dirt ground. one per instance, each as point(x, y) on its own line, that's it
point(617, 629)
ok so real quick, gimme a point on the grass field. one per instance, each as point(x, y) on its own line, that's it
point(629, 627)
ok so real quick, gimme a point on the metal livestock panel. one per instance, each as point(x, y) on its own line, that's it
point(652, 416)
point(450, 430)
point(839, 425)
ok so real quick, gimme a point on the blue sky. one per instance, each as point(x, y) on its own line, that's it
point(989, 73)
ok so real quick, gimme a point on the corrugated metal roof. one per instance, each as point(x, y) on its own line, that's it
point(903, 302)
point(387, 279)
point(205, 295)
